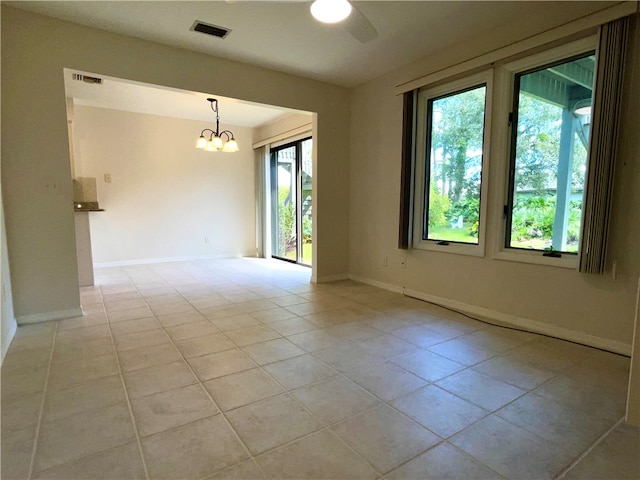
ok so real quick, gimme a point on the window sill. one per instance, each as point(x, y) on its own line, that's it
point(536, 258)
point(455, 248)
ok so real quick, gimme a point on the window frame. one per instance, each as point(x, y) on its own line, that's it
point(421, 169)
point(505, 78)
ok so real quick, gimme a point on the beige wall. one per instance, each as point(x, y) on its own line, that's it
point(633, 394)
point(7, 319)
point(36, 173)
point(283, 127)
point(166, 198)
point(556, 298)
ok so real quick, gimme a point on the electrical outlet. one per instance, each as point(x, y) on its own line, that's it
point(403, 262)
point(107, 178)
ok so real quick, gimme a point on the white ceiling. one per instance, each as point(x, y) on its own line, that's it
point(283, 35)
point(154, 100)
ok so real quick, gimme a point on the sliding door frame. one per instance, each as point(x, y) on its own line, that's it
point(273, 167)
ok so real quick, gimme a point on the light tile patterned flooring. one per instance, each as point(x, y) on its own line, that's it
point(242, 369)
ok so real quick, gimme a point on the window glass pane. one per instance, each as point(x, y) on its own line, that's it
point(549, 155)
point(454, 155)
point(285, 195)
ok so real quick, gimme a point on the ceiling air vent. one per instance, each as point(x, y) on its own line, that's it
point(87, 79)
point(209, 29)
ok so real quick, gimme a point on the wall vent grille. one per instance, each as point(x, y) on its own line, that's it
point(87, 79)
point(209, 29)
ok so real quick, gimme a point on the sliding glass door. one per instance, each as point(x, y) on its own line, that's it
point(291, 179)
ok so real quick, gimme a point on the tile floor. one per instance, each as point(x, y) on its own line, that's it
point(242, 369)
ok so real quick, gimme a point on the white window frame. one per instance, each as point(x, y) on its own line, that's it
point(505, 81)
point(486, 78)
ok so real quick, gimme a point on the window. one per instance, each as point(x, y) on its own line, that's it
point(552, 166)
point(452, 139)
point(550, 123)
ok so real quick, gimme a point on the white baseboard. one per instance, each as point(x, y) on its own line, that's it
point(7, 341)
point(500, 318)
point(48, 316)
point(332, 278)
point(143, 261)
point(505, 319)
point(376, 283)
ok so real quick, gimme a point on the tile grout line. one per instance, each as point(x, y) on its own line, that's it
point(126, 392)
point(417, 346)
point(289, 394)
point(42, 403)
point(444, 441)
point(341, 374)
point(199, 382)
point(313, 414)
point(286, 392)
point(429, 383)
point(587, 451)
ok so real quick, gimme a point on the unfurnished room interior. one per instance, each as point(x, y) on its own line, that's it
point(322, 239)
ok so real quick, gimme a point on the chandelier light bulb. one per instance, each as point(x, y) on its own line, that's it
point(330, 11)
point(230, 146)
point(217, 143)
point(202, 142)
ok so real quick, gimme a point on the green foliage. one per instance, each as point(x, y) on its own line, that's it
point(538, 143)
point(438, 207)
point(457, 130)
point(473, 230)
point(307, 228)
point(533, 217)
point(468, 207)
point(286, 220)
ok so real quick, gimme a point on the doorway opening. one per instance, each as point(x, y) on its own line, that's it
point(203, 205)
point(291, 205)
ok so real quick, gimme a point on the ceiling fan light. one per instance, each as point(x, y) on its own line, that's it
point(330, 11)
point(202, 142)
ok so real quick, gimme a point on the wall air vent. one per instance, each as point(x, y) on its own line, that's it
point(87, 79)
point(209, 29)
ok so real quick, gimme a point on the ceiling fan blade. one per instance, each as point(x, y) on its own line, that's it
point(359, 26)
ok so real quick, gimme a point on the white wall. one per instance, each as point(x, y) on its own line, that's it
point(166, 198)
point(8, 322)
point(560, 300)
point(35, 151)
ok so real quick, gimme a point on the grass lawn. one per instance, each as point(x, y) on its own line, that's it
point(307, 253)
point(463, 235)
point(452, 234)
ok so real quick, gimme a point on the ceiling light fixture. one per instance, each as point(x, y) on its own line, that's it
point(215, 141)
point(330, 11)
point(582, 107)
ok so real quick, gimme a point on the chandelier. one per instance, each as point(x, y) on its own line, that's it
point(215, 141)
